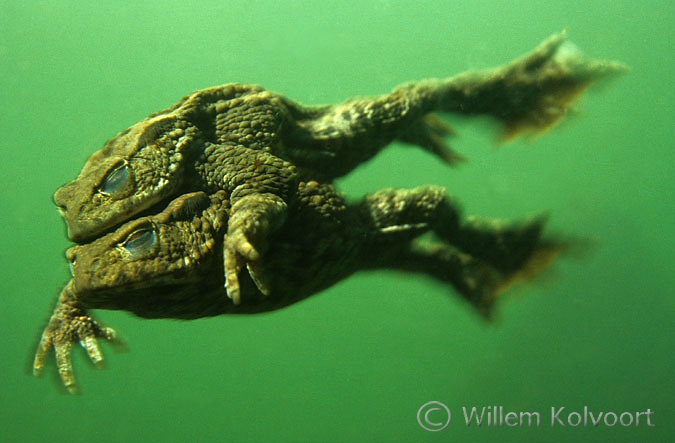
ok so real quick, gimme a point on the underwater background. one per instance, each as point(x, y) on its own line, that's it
point(356, 362)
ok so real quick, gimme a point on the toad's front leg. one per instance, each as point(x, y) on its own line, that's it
point(68, 324)
point(260, 186)
point(252, 219)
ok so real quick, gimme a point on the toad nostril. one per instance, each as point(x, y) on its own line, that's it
point(61, 198)
point(71, 255)
point(61, 204)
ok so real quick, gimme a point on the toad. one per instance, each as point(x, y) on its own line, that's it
point(257, 145)
point(168, 265)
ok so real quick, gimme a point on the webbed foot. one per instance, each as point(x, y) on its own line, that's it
point(540, 87)
point(506, 245)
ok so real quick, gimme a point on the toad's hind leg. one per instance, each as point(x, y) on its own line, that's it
point(529, 95)
point(516, 250)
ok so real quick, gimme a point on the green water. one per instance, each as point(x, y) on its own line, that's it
point(356, 362)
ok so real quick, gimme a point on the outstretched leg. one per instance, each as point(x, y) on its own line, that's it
point(530, 94)
point(514, 250)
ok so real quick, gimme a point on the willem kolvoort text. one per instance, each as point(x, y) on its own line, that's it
point(498, 416)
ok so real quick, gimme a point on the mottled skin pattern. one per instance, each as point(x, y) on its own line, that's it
point(168, 265)
point(255, 145)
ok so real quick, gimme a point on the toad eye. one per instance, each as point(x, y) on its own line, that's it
point(116, 180)
point(140, 241)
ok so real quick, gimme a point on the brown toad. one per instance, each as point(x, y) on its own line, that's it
point(256, 145)
point(169, 265)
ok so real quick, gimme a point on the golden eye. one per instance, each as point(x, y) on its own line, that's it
point(140, 242)
point(116, 180)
